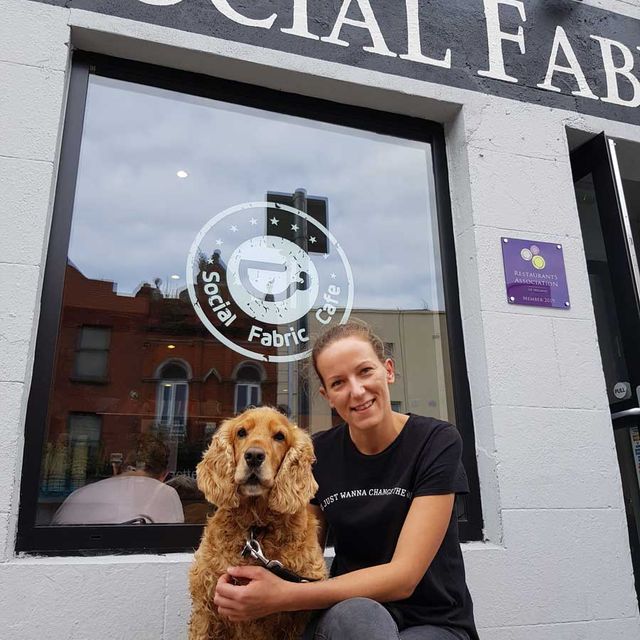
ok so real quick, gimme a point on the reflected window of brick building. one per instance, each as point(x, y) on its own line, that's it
point(84, 439)
point(173, 397)
point(92, 354)
point(248, 388)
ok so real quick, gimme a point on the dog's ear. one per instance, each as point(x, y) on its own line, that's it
point(215, 471)
point(294, 485)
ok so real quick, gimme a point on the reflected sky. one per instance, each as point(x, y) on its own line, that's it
point(135, 219)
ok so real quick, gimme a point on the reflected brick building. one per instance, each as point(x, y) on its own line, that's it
point(130, 364)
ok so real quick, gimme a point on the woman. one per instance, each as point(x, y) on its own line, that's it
point(387, 485)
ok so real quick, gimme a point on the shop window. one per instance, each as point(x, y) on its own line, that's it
point(291, 214)
point(92, 354)
point(248, 389)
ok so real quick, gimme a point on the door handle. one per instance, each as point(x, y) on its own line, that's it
point(624, 416)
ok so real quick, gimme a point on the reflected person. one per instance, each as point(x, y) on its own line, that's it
point(136, 496)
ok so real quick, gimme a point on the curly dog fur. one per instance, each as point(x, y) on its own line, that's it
point(257, 471)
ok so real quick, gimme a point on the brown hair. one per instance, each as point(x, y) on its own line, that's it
point(151, 454)
point(353, 329)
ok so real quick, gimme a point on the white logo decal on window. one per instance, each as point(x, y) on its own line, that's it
point(254, 277)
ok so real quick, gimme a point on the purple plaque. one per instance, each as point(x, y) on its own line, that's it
point(534, 273)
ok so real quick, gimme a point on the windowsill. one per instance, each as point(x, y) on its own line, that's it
point(88, 380)
point(31, 558)
point(184, 557)
point(141, 558)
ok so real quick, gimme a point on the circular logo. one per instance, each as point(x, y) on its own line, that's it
point(526, 254)
point(260, 273)
point(272, 279)
point(538, 262)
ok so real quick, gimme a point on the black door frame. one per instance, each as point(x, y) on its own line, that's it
point(595, 158)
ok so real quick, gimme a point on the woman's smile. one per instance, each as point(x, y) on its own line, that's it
point(364, 406)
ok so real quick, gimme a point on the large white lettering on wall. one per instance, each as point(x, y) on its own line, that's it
point(495, 37)
point(368, 22)
point(616, 73)
point(561, 44)
point(414, 45)
point(300, 26)
point(564, 54)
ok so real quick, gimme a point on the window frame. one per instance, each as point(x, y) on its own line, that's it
point(173, 382)
point(89, 540)
point(250, 387)
point(87, 379)
point(78, 415)
point(250, 384)
point(172, 415)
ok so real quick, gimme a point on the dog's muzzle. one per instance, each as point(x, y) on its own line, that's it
point(254, 457)
point(253, 475)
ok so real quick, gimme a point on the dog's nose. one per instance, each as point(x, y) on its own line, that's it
point(254, 457)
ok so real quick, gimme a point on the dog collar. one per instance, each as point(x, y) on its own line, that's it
point(252, 548)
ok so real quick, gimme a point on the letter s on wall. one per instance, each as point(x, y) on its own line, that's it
point(226, 10)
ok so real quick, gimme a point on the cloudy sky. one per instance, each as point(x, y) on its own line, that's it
point(135, 220)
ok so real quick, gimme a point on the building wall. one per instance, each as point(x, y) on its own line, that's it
point(555, 562)
point(423, 379)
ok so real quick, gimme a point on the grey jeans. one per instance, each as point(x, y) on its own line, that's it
point(364, 619)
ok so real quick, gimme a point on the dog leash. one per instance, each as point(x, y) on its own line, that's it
point(252, 548)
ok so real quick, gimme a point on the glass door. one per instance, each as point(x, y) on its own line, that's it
point(609, 208)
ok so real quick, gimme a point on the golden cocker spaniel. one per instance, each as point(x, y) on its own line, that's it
point(257, 471)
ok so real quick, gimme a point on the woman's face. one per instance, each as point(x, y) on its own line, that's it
point(356, 382)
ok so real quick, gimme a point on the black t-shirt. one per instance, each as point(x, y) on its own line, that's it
point(366, 498)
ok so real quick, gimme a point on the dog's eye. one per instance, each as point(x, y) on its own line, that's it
point(279, 436)
point(242, 433)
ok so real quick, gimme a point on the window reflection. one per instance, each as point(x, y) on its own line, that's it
point(134, 495)
point(173, 392)
point(157, 353)
point(135, 361)
point(91, 362)
point(248, 388)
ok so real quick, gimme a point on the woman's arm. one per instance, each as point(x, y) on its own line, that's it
point(421, 536)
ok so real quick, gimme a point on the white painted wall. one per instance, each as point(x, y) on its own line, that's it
point(556, 561)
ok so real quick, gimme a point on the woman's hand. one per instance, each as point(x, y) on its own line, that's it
point(264, 594)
